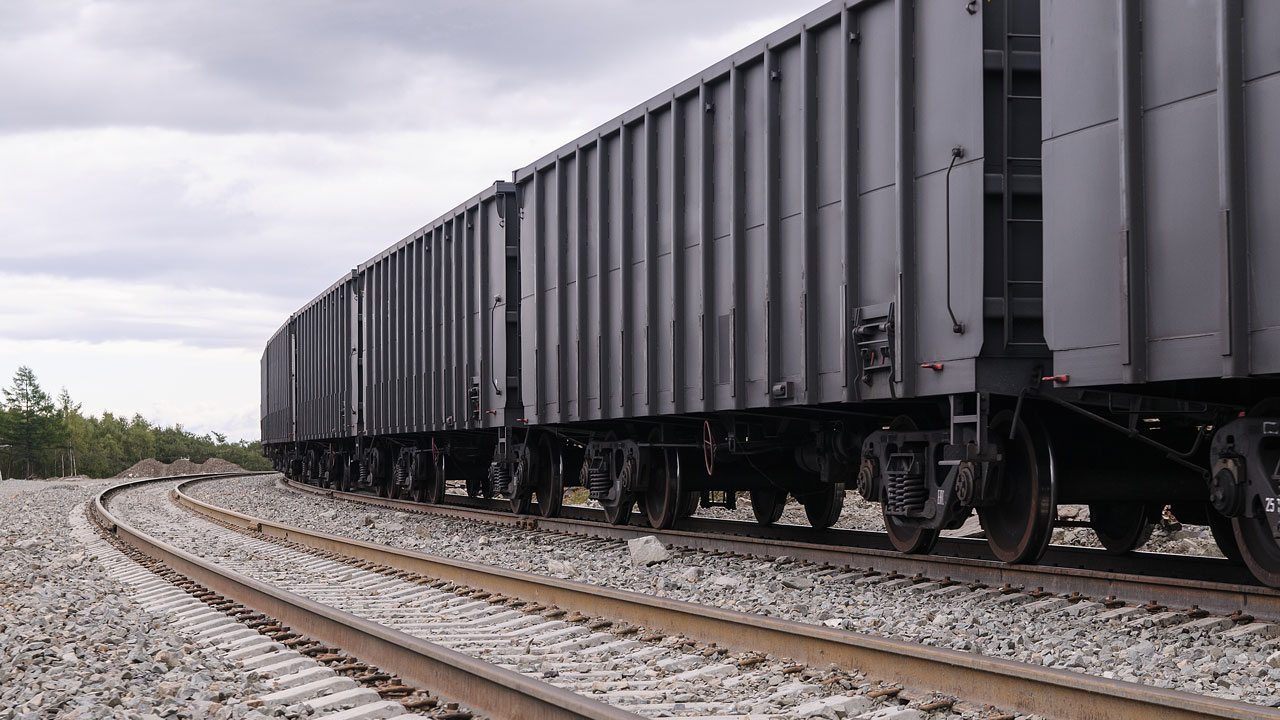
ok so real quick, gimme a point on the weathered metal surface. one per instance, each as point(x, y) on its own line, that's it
point(975, 678)
point(437, 339)
point(1159, 236)
point(494, 691)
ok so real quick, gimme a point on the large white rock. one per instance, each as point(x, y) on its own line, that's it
point(838, 705)
point(647, 550)
point(560, 567)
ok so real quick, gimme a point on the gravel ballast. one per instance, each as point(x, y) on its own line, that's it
point(73, 645)
point(652, 675)
point(1200, 656)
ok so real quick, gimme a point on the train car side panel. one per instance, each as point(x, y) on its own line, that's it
point(436, 322)
point(277, 387)
point(323, 333)
point(746, 219)
point(1155, 163)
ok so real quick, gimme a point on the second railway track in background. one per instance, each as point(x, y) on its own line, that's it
point(972, 678)
point(1178, 583)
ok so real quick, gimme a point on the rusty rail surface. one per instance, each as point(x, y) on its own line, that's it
point(1006, 684)
point(486, 688)
point(1075, 570)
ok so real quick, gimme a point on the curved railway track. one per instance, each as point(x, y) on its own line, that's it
point(500, 692)
point(1212, 585)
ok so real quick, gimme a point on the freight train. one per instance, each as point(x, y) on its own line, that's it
point(961, 256)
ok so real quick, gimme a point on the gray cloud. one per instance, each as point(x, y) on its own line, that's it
point(330, 65)
point(179, 175)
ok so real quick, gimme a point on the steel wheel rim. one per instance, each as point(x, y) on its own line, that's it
point(823, 507)
point(766, 505)
point(909, 539)
point(1258, 548)
point(436, 481)
point(661, 506)
point(619, 513)
point(1121, 527)
point(550, 486)
point(1224, 534)
point(1018, 529)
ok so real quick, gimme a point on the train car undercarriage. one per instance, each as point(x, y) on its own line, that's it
point(929, 465)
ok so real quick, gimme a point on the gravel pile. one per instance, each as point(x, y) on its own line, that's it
point(73, 646)
point(1204, 657)
point(152, 468)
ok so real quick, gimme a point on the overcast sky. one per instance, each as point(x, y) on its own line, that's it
point(176, 177)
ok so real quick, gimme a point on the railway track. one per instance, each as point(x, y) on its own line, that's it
point(521, 637)
point(1194, 584)
point(929, 672)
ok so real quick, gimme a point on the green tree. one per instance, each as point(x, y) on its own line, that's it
point(49, 437)
point(73, 431)
point(31, 423)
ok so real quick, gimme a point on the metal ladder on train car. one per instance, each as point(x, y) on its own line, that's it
point(1016, 177)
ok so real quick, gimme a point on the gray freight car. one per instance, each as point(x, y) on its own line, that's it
point(277, 393)
point(326, 402)
point(310, 402)
point(969, 256)
point(845, 211)
point(440, 346)
point(1162, 236)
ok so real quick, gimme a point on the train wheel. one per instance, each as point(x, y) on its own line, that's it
point(1258, 546)
point(1019, 527)
point(619, 511)
point(1224, 534)
point(823, 507)
point(524, 469)
point(767, 505)
point(689, 503)
point(417, 479)
point(691, 474)
point(525, 473)
point(1121, 527)
point(436, 481)
point(909, 539)
point(549, 488)
point(349, 478)
point(662, 500)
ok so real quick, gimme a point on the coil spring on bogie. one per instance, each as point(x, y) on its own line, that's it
point(499, 479)
point(398, 474)
point(906, 487)
point(364, 473)
point(598, 480)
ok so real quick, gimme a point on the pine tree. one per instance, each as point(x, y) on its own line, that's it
point(71, 420)
point(31, 423)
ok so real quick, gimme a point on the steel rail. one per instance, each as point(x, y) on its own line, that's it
point(1003, 683)
point(1072, 570)
point(486, 688)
